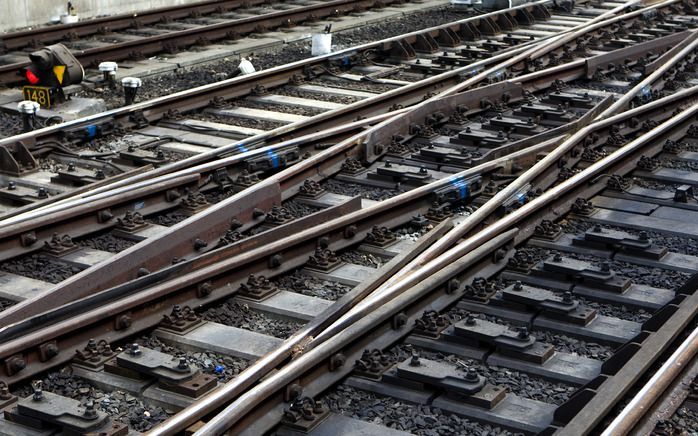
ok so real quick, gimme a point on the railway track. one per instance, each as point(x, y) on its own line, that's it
point(474, 280)
point(168, 31)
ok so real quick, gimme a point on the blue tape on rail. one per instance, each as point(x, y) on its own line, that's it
point(91, 131)
point(462, 188)
point(521, 198)
point(242, 148)
point(274, 159)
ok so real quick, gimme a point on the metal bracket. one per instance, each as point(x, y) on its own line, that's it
point(639, 245)
point(66, 413)
point(582, 272)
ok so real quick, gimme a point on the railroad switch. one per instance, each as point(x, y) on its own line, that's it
point(44, 411)
point(636, 245)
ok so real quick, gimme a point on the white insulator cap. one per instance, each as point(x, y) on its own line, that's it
point(131, 82)
point(28, 107)
point(108, 67)
point(246, 67)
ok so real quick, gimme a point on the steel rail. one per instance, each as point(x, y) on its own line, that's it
point(151, 45)
point(326, 119)
point(43, 225)
point(170, 286)
point(78, 285)
point(201, 96)
point(193, 412)
point(19, 310)
point(247, 401)
point(55, 33)
point(605, 119)
point(248, 143)
point(640, 404)
point(264, 137)
point(261, 367)
point(471, 222)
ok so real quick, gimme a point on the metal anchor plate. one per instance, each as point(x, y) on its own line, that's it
point(519, 345)
point(440, 375)
point(582, 272)
point(155, 364)
point(631, 244)
point(552, 305)
point(65, 413)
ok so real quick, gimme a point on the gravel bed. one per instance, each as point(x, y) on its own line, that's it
point(40, 267)
point(675, 244)
point(234, 314)
point(308, 285)
point(622, 312)
point(218, 195)
point(120, 406)
point(295, 92)
point(187, 78)
point(652, 184)
point(685, 421)
point(516, 382)
point(10, 125)
point(167, 219)
point(156, 86)
point(235, 121)
point(364, 259)
point(4, 304)
point(354, 85)
point(369, 192)
point(282, 108)
point(401, 415)
point(638, 274)
point(298, 209)
point(107, 242)
point(680, 164)
point(223, 367)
